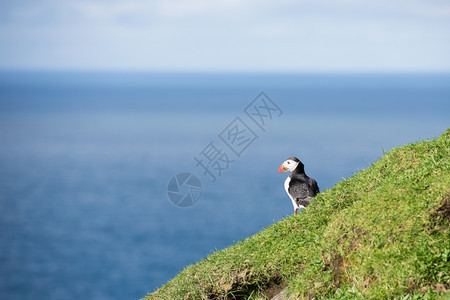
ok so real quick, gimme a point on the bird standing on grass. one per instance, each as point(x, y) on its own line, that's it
point(299, 187)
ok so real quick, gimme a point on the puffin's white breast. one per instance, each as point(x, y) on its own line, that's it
point(286, 186)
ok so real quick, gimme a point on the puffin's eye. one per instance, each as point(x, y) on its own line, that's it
point(288, 162)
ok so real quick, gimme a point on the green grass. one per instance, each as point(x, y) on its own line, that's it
point(381, 234)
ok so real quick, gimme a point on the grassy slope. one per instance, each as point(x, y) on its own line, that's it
point(383, 233)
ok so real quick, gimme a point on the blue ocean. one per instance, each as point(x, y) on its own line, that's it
point(86, 160)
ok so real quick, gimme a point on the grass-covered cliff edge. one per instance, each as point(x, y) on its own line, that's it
point(383, 233)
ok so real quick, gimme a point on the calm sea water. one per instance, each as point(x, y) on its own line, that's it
point(85, 159)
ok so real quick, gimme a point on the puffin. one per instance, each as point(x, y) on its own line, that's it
point(299, 187)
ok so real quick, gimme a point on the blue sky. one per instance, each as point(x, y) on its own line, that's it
point(226, 35)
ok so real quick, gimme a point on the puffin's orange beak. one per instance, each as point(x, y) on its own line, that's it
point(282, 168)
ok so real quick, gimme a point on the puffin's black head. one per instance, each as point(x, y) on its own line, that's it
point(291, 164)
point(294, 159)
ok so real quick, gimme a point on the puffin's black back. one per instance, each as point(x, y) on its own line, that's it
point(301, 187)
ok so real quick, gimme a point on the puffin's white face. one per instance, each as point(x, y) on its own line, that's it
point(288, 166)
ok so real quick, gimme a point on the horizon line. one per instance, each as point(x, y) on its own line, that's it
point(225, 72)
